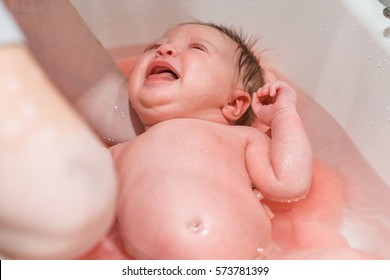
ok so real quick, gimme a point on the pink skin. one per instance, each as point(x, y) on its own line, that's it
point(202, 68)
point(57, 182)
point(186, 183)
point(292, 224)
point(273, 98)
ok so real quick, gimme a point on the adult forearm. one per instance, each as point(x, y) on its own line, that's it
point(77, 63)
point(63, 44)
point(57, 182)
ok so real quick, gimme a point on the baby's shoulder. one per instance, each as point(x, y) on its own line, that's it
point(250, 132)
point(238, 131)
point(195, 128)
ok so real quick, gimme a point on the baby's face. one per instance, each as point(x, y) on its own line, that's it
point(189, 72)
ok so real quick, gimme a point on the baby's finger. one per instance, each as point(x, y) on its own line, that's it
point(274, 88)
point(264, 90)
point(257, 100)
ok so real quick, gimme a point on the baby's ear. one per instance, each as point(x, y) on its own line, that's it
point(237, 105)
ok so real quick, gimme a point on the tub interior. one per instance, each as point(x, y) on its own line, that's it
point(336, 54)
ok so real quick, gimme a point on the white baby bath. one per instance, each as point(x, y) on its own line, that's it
point(337, 52)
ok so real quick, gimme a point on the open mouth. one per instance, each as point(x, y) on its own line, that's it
point(162, 71)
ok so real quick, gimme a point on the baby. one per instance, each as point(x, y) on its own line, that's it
point(94, 89)
point(190, 185)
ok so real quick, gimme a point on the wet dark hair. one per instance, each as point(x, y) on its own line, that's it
point(250, 72)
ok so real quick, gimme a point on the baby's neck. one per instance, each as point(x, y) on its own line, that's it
point(214, 120)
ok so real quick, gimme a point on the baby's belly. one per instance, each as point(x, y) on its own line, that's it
point(186, 194)
point(184, 216)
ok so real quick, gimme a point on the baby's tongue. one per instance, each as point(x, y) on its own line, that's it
point(164, 76)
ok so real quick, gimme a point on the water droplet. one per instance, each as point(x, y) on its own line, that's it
point(258, 194)
point(260, 251)
point(116, 109)
point(123, 115)
point(108, 139)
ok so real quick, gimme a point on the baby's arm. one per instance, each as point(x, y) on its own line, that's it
point(283, 170)
point(78, 65)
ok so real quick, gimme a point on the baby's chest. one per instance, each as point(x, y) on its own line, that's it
point(191, 148)
point(206, 142)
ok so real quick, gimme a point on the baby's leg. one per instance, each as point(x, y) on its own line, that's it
point(57, 184)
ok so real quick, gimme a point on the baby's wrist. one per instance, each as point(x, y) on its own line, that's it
point(284, 113)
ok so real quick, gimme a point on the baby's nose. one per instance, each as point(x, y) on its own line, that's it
point(166, 50)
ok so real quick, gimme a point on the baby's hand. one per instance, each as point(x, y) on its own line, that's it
point(272, 99)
